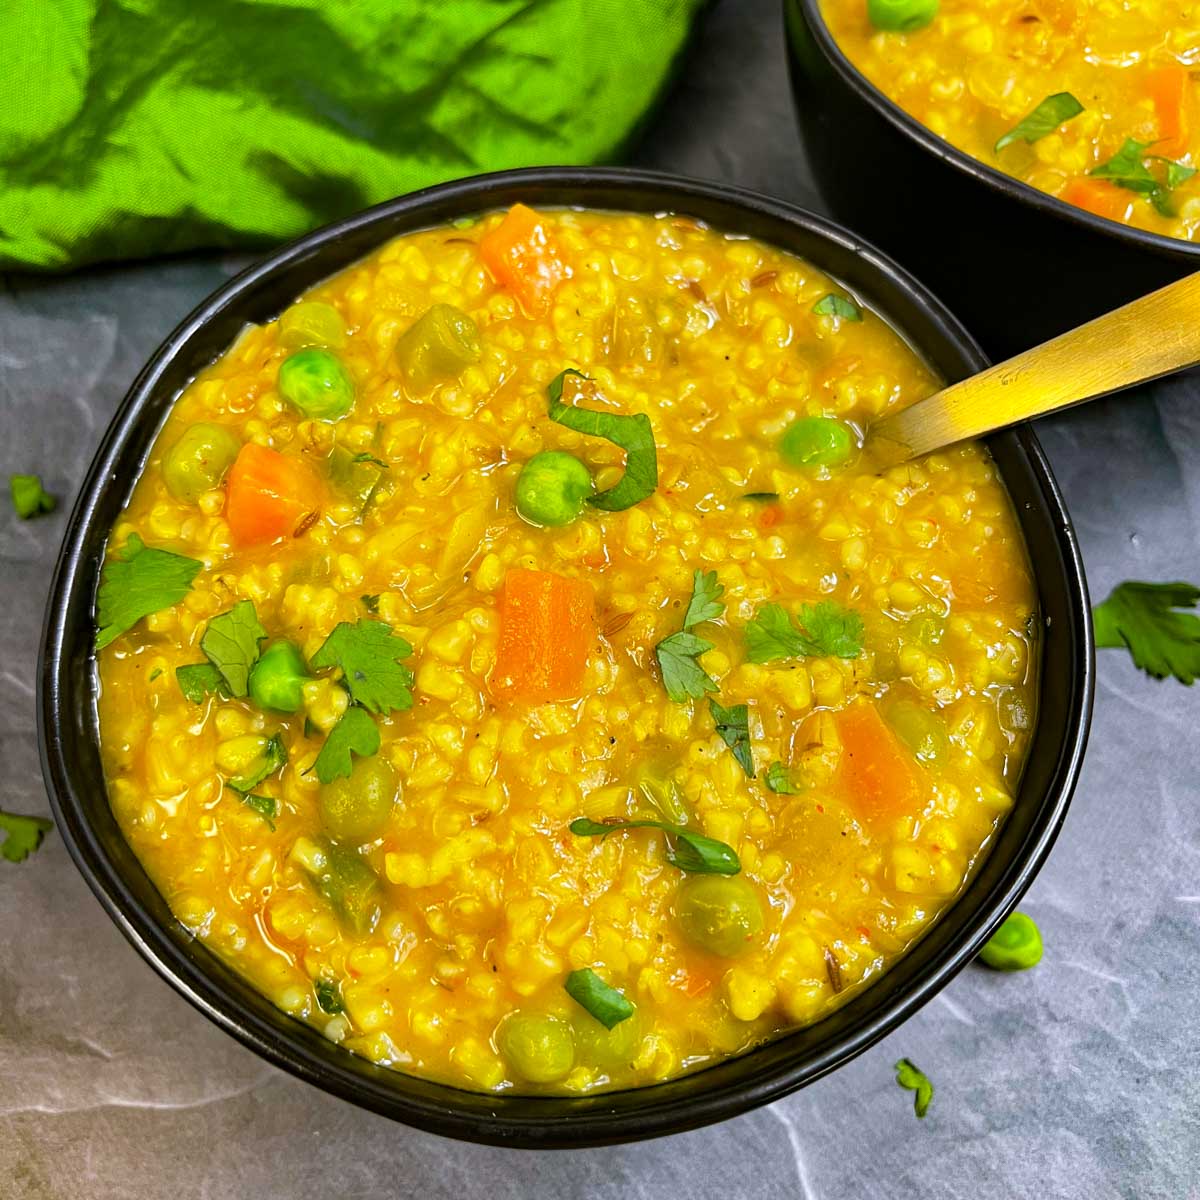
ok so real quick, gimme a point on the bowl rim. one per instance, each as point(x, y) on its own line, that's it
point(1009, 186)
point(544, 1122)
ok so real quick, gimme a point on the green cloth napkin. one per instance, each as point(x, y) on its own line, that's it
point(136, 127)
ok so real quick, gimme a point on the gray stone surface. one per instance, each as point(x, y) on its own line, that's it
point(1080, 1079)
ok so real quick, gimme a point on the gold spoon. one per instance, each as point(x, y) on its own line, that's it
point(1153, 336)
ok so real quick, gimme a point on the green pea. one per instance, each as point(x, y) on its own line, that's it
point(347, 881)
point(608, 1049)
point(311, 323)
point(316, 383)
point(1015, 946)
point(901, 16)
point(356, 808)
point(816, 442)
point(552, 487)
point(927, 628)
point(440, 344)
point(719, 913)
point(540, 1049)
point(199, 460)
point(277, 678)
point(922, 731)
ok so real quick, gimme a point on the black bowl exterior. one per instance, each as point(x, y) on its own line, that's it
point(1018, 266)
point(67, 686)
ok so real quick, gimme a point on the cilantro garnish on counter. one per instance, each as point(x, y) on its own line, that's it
point(231, 644)
point(1145, 618)
point(23, 835)
point(29, 497)
point(825, 628)
point(910, 1076)
point(355, 733)
point(368, 653)
point(136, 581)
point(682, 675)
point(631, 431)
point(691, 852)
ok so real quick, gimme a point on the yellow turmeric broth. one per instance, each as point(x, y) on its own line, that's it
point(1120, 134)
point(445, 617)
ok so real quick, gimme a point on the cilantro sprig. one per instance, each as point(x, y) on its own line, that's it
point(1128, 169)
point(631, 431)
point(691, 852)
point(197, 680)
point(1147, 620)
point(231, 642)
point(824, 628)
point(369, 654)
point(833, 305)
point(779, 779)
point(23, 835)
point(1046, 118)
point(733, 724)
point(683, 677)
point(136, 581)
point(354, 734)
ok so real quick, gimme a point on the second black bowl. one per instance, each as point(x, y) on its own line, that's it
point(1017, 265)
point(67, 685)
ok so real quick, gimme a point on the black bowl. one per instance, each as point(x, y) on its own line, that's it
point(1018, 265)
point(67, 685)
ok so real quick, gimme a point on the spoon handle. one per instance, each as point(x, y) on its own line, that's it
point(1153, 336)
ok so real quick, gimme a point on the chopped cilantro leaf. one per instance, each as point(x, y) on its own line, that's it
point(1044, 119)
point(329, 996)
point(825, 629)
point(154, 674)
point(833, 305)
point(23, 835)
point(371, 603)
point(691, 852)
point(632, 432)
point(910, 1076)
point(136, 581)
point(733, 724)
point(266, 806)
point(762, 497)
point(1145, 618)
point(231, 644)
point(356, 733)
point(368, 653)
point(1127, 169)
point(198, 679)
point(605, 1003)
point(29, 497)
point(706, 603)
point(369, 458)
point(779, 779)
point(273, 757)
point(682, 675)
